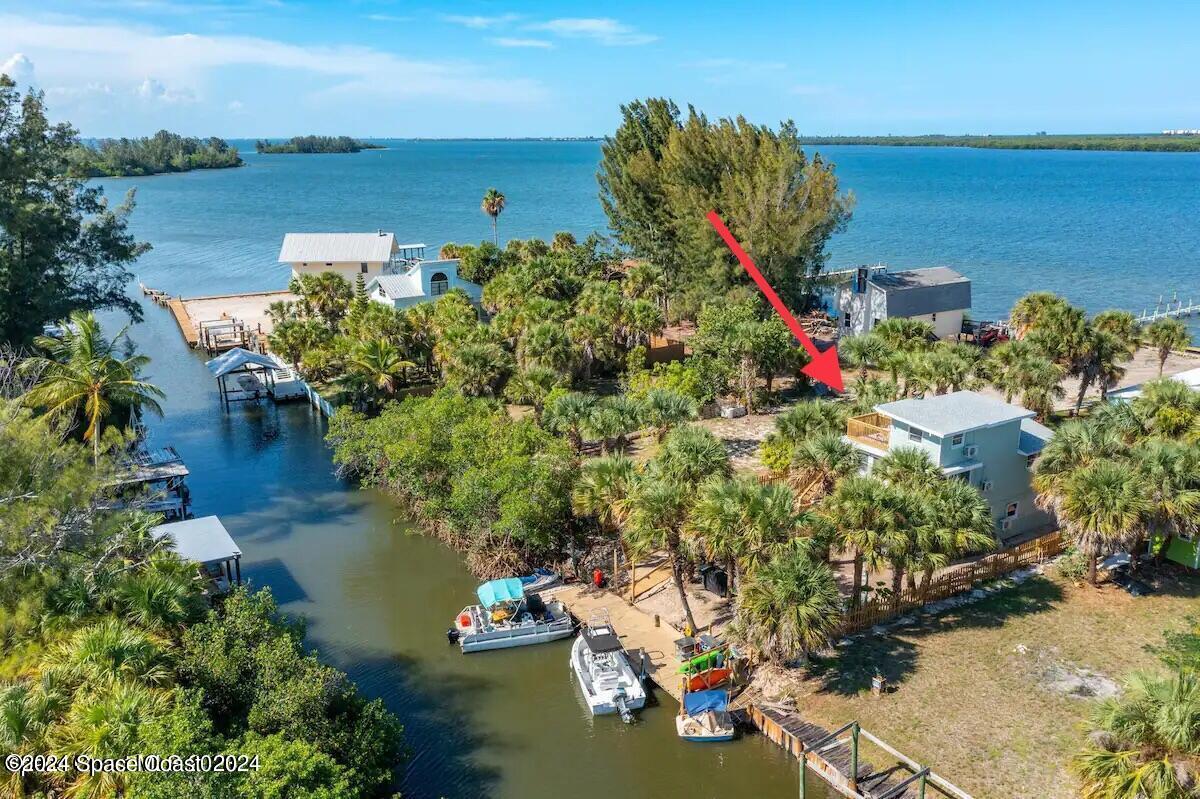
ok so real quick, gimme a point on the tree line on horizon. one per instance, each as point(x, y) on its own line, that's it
point(1142, 142)
point(315, 144)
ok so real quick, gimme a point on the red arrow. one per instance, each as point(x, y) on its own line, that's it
point(824, 366)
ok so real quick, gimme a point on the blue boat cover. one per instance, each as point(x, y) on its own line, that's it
point(497, 591)
point(697, 702)
point(538, 574)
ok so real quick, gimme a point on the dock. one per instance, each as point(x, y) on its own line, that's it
point(219, 322)
point(637, 630)
point(832, 756)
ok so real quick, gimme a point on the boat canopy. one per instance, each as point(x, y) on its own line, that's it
point(697, 702)
point(496, 591)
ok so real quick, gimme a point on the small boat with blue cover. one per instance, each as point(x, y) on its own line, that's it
point(508, 615)
point(704, 716)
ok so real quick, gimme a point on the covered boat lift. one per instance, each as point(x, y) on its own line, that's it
point(160, 471)
point(253, 375)
point(206, 541)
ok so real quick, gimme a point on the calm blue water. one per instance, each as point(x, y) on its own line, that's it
point(1103, 229)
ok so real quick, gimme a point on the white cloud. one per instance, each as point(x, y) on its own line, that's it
point(604, 30)
point(83, 53)
point(387, 18)
point(19, 68)
point(504, 41)
point(151, 89)
point(480, 22)
point(235, 106)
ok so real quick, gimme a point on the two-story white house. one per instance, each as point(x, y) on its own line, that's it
point(937, 295)
point(421, 281)
point(974, 438)
point(348, 254)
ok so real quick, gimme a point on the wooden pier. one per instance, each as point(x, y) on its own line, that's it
point(1173, 308)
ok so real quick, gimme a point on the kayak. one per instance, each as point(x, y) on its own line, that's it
point(709, 678)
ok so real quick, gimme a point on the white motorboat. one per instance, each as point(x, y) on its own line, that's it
point(704, 716)
point(605, 675)
point(507, 616)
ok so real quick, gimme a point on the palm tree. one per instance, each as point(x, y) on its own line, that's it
point(601, 491)
point(643, 319)
point(493, 204)
point(656, 511)
point(902, 334)
point(327, 294)
point(957, 521)
point(823, 460)
point(27, 716)
point(645, 281)
point(1006, 364)
point(1103, 506)
point(531, 387)
point(862, 352)
point(545, 344)
point(946, 369)
point(476, 368)
point(690, 454)
point(568, 415)
point(743, 523)
point(591, 336)
point(1167, 336)
point(810, 418)
point(907, 467)
point(663, 409)
point(789, 607)
point(1041, 386)
point(84, 379)
point(1121, 324)
point(1030, 311)
point(1143, 743)
point(1171, 472)
point(107, 724)
point(109, 651)
point(562, 242)
point(872, 520)
point(160, 601)
point(377, 367)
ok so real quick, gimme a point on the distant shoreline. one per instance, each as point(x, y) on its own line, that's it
point(1112, 142)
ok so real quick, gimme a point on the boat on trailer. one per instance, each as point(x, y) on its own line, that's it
point(704, 716)
point(507, 616)
point(605, 675)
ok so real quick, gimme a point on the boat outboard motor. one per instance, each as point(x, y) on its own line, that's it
point(626, 713)
point(452, 635)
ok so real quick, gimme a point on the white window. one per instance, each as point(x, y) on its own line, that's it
point(956, 440)
point(1011, 511)
point(915, 434)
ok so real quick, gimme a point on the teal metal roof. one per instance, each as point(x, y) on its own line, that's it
point(494, 592)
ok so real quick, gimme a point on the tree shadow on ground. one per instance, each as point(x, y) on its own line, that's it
point(894, 653)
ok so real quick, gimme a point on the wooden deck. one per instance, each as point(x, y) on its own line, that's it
point(190, 334)
point(636, 629)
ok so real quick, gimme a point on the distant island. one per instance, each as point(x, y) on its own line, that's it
point(316, 144)
point(150, 155)
point(1039, 141)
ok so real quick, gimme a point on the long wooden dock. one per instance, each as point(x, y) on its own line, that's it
point(190, 334)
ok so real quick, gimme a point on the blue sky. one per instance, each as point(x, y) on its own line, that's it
point(396, 68)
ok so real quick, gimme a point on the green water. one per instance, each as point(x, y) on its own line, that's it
point(379, 599)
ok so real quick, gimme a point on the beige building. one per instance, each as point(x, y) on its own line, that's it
point(348, 254)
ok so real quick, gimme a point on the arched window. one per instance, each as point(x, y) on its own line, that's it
point(439, 284)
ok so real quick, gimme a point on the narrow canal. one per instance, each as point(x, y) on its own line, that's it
point(378, 599)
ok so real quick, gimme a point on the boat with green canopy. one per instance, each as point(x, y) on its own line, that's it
point(508, 615)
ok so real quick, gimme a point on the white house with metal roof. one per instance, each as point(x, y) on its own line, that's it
point(422, 281)
point(348, 254)
point(971, 437)
point(937, 295)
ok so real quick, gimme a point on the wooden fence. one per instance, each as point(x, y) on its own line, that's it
point(955, 581)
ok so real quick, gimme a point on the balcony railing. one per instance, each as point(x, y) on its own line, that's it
point(872, 429)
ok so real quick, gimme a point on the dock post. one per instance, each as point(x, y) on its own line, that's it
point(921, 787)
point(803, 786)
point(854, 757)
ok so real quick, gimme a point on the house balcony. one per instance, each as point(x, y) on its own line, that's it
point(871, 430)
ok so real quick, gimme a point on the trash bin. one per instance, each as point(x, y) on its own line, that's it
point(715, 579)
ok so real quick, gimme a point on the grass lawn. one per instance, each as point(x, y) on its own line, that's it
point(989, 694)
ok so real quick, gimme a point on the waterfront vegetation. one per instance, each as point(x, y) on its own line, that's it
point(1040, 141)
point(74, 252)
point(150, 155)
point(315, 144)
point(113, 646)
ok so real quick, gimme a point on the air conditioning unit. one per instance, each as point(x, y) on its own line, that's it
point(985, 486)
point(1006, 524)
point(970, 451)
